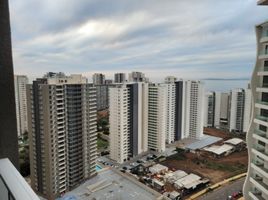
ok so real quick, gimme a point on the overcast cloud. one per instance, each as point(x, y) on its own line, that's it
point(190, 39)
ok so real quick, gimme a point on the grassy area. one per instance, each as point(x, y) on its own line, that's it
point(180, 155)
point(102, 144)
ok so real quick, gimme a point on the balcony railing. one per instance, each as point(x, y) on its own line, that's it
point(262, 102)
point(259, 180)
point(258, 163)
point(256, 195)
point(263, 53)
point(262, 118)
point(260, 133)
point(265, 33)
point(259, 148)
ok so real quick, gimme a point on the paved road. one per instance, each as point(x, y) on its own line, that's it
point(223, 192)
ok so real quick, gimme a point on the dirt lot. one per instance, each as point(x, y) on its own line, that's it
point(223, 134)
point(216, 169)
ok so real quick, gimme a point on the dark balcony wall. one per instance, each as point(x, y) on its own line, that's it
point(8, 125)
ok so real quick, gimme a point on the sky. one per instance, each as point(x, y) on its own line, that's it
point(189, 39)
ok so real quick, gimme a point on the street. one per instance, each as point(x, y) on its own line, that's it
point(223, 192)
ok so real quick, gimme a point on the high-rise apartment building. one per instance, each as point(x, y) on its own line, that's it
point(189, 109)
point(103, 96)
point(108, 82)
point(157, 117)
point(128, 119)
point(137, 77)
point(62, 132)
point(98, 79)
point(119, 123)
point(8, 126)
point(236, 113)
point(20, 83)
point(240, 110)
point(171, 101)
point(247, 109)
point(217, 111)
point(224, 110)
point(209, 109)
point(120, 78)
point(256, 185)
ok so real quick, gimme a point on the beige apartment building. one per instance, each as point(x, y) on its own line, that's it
point(62, 131)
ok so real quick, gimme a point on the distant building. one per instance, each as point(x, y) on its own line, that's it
point(224, 110)
point(102, 92)
point(171, 101)
point(108, 82)
point(120, 78)
point(119, 123)
point(128, 120)
point(240, 112)
point(247, 110)
point(217, 110)
point(62, 133)
point(237, 100)
point(137, 77)
point(98, 79)
point(20, 82)
point(209, 109)
point(157, 117)
point(189, 111)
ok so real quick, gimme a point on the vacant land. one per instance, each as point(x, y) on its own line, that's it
point(223, 134)
point(216, 169)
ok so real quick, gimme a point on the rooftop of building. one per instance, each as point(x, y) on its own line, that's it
point(219, 150)
point(234, 141)
point(110, 184)
point(206, 140)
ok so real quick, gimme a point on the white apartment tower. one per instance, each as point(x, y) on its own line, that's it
point(217, 111)
point(256, 184)
point(119, 123)
point(236, 113)
point(209, 109)
point(189, 110)
point(62, 132)
point(171, 101)
point(20, 83)
point(134, 120)
point(247, 109)
point(157, 117)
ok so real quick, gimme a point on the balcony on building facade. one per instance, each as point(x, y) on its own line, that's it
point(258, 181)
point(256, 195)
point(263, 54)
point(260, 169)
point(263, 71)
point(12, 184)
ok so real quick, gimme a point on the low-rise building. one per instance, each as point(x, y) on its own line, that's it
point(158, 169)
point(188, 182)
point(174, 176)
point(219, 151)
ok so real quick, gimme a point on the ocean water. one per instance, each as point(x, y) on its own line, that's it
point(225, 85)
